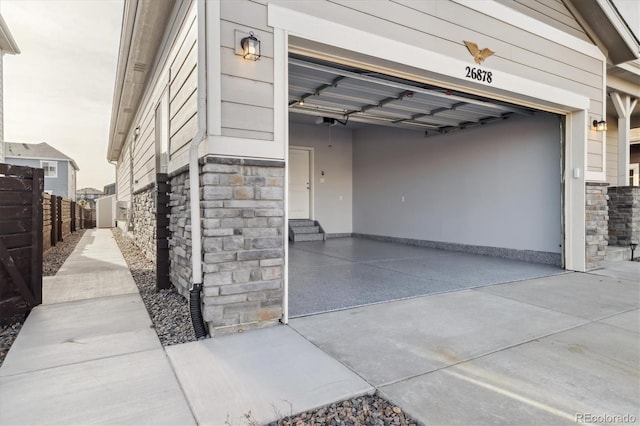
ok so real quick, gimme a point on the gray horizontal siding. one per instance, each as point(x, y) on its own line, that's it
point(247, 87)
point(123, 172)
point(551, 12)
point(183, 103)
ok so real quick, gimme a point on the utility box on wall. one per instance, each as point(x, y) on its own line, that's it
point(105, 211)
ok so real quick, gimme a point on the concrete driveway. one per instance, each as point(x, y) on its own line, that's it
point(556, 350)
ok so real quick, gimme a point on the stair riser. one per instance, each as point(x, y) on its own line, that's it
point(308, 237)
point(301, 223)
point(306, 229)
point(618, 256)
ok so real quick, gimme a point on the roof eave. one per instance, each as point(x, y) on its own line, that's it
point(143, 27)
point(609, 27)
point(128, 18)
point(7, 43)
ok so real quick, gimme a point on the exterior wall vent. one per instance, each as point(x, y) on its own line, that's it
point(140, 67)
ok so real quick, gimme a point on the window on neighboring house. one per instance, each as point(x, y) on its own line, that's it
point(50, 168)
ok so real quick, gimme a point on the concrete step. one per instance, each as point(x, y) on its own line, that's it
point(306, 229)
point(618, 254)
point(308, 237)
point(295, 223)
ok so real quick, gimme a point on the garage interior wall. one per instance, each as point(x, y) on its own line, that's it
point(496, 186)
point(333, 156)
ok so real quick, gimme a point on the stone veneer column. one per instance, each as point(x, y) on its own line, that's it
point(624, 215)
point(242, 204)
point(180, 232)
point(144, 220)
point(596, 224)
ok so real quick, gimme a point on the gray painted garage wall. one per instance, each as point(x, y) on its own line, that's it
point(333, 155)
point(497, 185)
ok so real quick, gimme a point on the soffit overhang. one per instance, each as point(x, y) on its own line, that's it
point(7, 44)
point(610, 28)
point(143, 28)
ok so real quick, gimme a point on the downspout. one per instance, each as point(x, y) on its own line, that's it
point(194, 179)
point(113, 207)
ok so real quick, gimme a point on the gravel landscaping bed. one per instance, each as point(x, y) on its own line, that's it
point(169, 311)
point(8, 335)
point(363, 410)
point(52, 260)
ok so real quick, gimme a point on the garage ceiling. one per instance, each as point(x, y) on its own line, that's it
point(345, 94)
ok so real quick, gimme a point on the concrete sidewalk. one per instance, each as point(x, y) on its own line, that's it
point(89, 354)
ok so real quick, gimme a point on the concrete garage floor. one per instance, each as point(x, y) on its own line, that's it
point(343, 273)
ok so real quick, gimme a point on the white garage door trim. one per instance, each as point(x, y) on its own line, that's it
point(553, 99)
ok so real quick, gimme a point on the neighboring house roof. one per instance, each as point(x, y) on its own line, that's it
point(7, 43)
point(36, 151)
point(88, 191)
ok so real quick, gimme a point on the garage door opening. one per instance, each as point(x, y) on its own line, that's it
point(429, 189)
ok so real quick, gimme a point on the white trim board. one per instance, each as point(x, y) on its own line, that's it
point(327, 32)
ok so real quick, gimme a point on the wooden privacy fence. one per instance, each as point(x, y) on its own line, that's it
point(31, 222)
point(61, 218)
point(21, 240)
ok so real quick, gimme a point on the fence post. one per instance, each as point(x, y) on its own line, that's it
point(36, 235)
point(59, 218)
point(162, 231)
point(73, 216)
point(54, 220)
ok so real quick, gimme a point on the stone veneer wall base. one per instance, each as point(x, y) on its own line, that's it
point(242, 203)
point(143, 231)
point(624, 215)
point(596, 224)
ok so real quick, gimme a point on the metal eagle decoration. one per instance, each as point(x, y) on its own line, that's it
point(478, 55)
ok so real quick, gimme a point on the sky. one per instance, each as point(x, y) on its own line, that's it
point(59, 90)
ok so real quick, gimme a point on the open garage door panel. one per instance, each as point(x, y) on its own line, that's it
point(433, 166)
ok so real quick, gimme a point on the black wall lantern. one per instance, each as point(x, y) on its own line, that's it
point(599, 126)
point(250, 47)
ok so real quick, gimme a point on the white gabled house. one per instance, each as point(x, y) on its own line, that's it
point(377, 119)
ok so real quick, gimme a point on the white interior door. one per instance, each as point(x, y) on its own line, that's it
point(299, 184)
